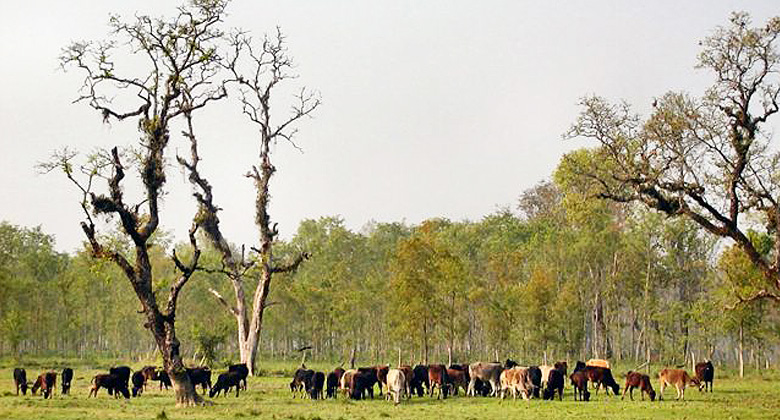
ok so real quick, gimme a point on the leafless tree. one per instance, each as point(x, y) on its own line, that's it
point(179, 75)
point(256, 71)
point(708, 159)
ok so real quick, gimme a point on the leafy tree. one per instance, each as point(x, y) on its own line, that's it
point(706, 159)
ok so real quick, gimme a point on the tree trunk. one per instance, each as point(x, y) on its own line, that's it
point(741, 350)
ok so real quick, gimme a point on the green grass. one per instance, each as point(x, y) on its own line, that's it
point(269, 397)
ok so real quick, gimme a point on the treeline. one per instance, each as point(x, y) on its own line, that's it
point(561, 276)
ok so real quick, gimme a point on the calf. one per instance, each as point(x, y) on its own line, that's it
point(226, 381)
point(641, 381)
point(579, 380)
point(318, 382)
point(486, 372)
point(202, 376)
point(438, 379)
point(242, 370)
point(113, 384)
point(67, 378)
point(677, 377)
point(139, 381)
point(396, 385)
point(20, 379)
point(46, 382)
point(419, 379)
point(554, 382)
point(705, 373)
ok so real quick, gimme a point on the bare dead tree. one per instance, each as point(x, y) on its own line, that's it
point(257, 72)
point(707, 159)
point(181, 66)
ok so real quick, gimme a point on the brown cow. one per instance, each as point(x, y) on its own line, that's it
point(579, 380)
point(458, 379)
point(641, 381)
point(438, 379)
point(516, 380)
point(46, 382)
point(381, 376)
point(602, 376)
point(677, 377)
point(114, 384)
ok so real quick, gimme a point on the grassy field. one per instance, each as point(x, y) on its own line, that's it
point(269, 397)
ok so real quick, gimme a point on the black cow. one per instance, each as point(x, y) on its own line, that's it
point(226, 381)
point(113, 384)
point(139, 380)
point(419, 378)
point(67, 378)
point(705, 373)
point(20, 379)
point(555, 382)
point(331, 385)
point(200, 376)
point(164, 379)
point(123, 372)
point(370, 379)
point(318, 382)
point(535, 374)
point(302, 382)
point(360, 383)
point(242, 371)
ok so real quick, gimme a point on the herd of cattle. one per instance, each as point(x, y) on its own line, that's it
point(489, 379)
point(117, 381)
point(483, 379)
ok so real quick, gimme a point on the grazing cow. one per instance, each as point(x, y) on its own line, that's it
point(458, 379)
point(165, 380)
point(486, 372)
point(318, 382)
point(139, 380)
point(226, 381)
point(381, 376)
point(67, 378)
point(201, 376)
point(331, 385)
point(242, 370)
point(705, 373)
point(369, 380)
point(302, 382)
point(419, 378)
point(677, 377)
point(46, 382)
point(579, 380)
point(535, 374)
point(438, 379)
point(113, 384)
point(555, 382)
point(346, 378)
point(20, 379)
point(602, 376)
point(123, 372)
point(360, 383)
point(516, 380)
point(396, 385)
point(408, 374)
point(641, 381)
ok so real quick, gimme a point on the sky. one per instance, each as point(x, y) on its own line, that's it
point(429, 108)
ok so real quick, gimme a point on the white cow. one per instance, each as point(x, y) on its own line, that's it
point(396, 385)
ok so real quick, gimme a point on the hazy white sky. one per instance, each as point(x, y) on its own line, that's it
point(430, 108)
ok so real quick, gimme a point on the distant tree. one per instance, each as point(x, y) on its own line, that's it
point(707, 159)
point(179, 62)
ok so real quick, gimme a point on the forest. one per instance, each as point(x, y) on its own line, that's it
point(560, 276)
